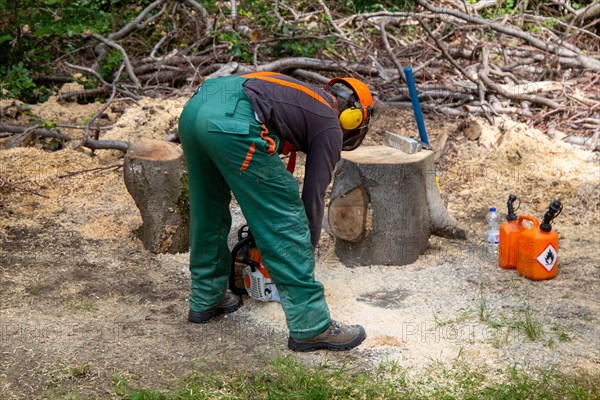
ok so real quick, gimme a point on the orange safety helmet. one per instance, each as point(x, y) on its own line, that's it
point(356, 106)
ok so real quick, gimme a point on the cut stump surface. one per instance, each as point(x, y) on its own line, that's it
point(385, 204)
point(156, 178)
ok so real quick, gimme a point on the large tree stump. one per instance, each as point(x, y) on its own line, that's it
point(385, 204)
point(156, 178)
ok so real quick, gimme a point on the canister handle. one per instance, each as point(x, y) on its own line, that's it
point(536, 223)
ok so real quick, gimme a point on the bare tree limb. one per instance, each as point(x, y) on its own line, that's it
point(482, 5)
point(95, 144)
point(448, 56)
point(313, 76)
point(483, 74)
point(386, 43)
point(578, 57)
point(128, 66)
point(136, 23)
point(313, 63)
point(589, 12)
point(280, 20)
point(7, 186)
point(70, 174)
point(336, 27)
point(203, 13)
point(36, 131)
point(89, 71)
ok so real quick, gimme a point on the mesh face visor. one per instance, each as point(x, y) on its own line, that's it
point(354, 138)
point(348, 98)
point(345, 95)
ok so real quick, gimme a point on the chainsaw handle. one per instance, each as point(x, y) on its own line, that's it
point(244, 232)
point(244, 241)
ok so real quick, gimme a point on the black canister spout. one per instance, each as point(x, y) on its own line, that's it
point(511, 216)
point(554, 209)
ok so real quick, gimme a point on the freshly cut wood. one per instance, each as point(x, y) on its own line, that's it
point(385, 205)
point(349, 211)
point(18, 140)
point(156, 178)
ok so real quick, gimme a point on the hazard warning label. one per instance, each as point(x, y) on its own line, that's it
point(548, 257)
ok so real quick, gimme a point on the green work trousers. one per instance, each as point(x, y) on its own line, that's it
point(226, 151)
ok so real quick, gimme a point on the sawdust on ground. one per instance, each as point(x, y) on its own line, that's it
point(452, 303)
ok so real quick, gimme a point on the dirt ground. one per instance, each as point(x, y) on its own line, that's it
point(83, 306)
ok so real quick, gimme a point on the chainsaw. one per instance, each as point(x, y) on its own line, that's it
point(248, 272)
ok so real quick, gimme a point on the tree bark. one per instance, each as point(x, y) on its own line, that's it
point(155, 176)
point(385, 204)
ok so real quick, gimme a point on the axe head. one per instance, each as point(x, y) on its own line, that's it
point(404, 143)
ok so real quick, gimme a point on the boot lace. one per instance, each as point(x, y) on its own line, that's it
point(335, 328)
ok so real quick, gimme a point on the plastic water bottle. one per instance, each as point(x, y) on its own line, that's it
point(492, 233)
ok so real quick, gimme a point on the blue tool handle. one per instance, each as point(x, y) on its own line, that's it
point(414, 98)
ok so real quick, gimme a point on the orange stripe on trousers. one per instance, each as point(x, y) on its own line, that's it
point(248, 157)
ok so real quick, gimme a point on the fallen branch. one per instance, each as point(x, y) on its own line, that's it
point(136, 23)
point(483, 74)
point(36, 131)
point(313, 76)
point(316, 64)
point(336, 27)
point(203, 13)
point(593, 143)
point(96, 144)
point(126, 61)
point(100, 50)
point(7, 186)
point(564, 54)
point(448, 56)
point(388, 49)
point(84, 171)
point(462, 110)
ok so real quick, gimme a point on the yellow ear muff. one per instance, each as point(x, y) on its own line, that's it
point(351, 118)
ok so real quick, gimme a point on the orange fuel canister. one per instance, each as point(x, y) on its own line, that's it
point(537, 257)
point(509, 233)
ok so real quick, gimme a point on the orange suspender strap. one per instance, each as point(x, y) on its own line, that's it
point(287, 148)
point(259, 74)
point(268, 76)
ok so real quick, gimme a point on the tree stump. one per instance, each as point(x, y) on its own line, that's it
point(156, 178)
point(385, 204)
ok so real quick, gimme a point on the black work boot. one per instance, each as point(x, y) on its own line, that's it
point(229, 304)
point(337, 337)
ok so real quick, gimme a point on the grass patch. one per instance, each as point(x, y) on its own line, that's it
point(77, 304)
point(288, 378)
point(530, 325)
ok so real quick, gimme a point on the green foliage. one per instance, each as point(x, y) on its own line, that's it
point(372, 6)
point(17, 83)
point(111, 64)
point(240, 47)
point(34, 33)
point(303, 47)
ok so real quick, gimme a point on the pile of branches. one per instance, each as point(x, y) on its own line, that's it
point(538, 61)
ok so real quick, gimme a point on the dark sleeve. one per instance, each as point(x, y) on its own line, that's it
point(321, 157)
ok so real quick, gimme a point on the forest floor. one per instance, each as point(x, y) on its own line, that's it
point(83, 305)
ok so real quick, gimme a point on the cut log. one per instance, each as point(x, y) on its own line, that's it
point(385, 205)
point(156, 178)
